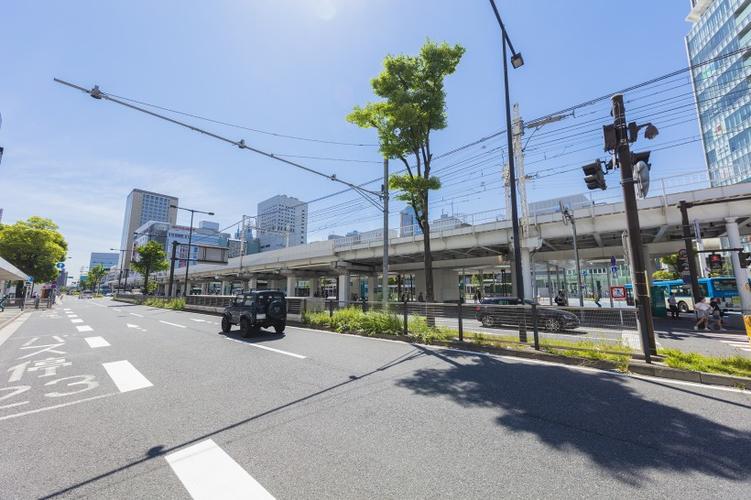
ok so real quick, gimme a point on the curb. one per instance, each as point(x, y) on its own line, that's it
point(635, 366)
point(11, 319)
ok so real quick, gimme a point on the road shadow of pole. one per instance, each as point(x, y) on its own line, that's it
point(596, 414)
point(161, 449)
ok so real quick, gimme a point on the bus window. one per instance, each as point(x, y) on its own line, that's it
point(724, 285)
point(703, 290)
point(680, 291)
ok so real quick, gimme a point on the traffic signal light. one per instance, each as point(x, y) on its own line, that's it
point(640, 156)
point(745, 259)
point(593, 176)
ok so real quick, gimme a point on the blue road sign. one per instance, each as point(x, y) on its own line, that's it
point(60, 265)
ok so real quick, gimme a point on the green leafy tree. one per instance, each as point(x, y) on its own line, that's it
point(413, 105)
point(34, 246)
point(662, 274)
point(95, 276)
point(151, 258)
point(672, 262)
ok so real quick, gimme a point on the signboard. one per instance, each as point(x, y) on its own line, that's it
point(618, 292)
point(715, 262)
point(613, 265)
point(60, 265)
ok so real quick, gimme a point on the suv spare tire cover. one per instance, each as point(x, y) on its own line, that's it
point(276, 309)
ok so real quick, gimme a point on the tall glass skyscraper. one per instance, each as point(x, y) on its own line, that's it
point(721, 88)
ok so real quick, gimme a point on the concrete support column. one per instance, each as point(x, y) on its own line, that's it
point(252, 283)
point(651, 267)
point(526, 273)
point(312, 287)
point(372, 287)
point(225, 285)
point(291, 285)
point(741, 275)
point(344, 290)
point(204, 288)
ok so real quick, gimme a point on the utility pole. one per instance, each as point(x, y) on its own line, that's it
point(172, 269)
point(385, 194)
point(518, 131)
point(623, 153)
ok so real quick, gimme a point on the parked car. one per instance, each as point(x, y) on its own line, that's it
point(548, 318)
point(255, 310)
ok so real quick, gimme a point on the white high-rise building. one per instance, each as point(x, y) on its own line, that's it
point(141, 207)
point(282, 222)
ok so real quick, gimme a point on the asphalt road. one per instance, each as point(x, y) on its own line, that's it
point(109, 400)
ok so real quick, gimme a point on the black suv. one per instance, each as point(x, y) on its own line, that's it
point(550, 319)
point(255, 310)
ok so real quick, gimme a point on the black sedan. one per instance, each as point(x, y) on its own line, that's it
point(490, 314)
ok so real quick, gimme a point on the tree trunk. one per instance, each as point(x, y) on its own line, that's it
point(146, 282)
point(428, 260)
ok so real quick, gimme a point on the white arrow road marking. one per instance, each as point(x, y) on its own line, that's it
point(57, 338)
point(84, 328)
point(125, 376)
point(172, 324)
point(95, 342)
point(208, 472)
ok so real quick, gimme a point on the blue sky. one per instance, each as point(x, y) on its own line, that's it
point(297, 67)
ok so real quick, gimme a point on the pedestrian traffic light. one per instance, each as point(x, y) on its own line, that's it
point(593, 176)
point(744, 258)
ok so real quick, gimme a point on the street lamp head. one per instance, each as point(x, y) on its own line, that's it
point(211, 213)
point(517, 61)
point(173, 206)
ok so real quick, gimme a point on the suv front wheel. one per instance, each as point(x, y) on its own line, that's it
point(279, 327)
point(226, 324)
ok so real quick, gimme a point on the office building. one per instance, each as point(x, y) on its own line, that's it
point(282, 222)
point(207, 243)
point(721, 88)
point(142, 207)
point(106, 259)
point(408, 225)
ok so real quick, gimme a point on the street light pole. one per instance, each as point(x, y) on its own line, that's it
point(517, 61)
point(122, 259)
point(190, 241)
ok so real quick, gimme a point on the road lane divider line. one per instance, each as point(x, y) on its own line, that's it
point(208, 472)
point(57, 338)
point(125, 376)
point(11, 328)
point(76, 320)
point(95, 342)
point(54, 407)
point(84, 328)
point(33, 339)
point(172, 324)
point(136, 315)
point(266, 348)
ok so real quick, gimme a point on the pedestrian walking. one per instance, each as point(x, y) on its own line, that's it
point(673, 306)
point(420, 298)
point(702, 310)
point(716, 315)
point(560, 299)
point(598, 296)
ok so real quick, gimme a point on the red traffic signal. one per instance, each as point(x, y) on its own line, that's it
point(593, 176)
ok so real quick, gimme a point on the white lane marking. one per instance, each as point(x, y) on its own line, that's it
point(95, 342)
point(136, 314)
point(57, 338)
point(33, 339)
point(130, 325)
point(62, 405)
point(208, 472)
point(172, 324)
point(66, 308)
point(77, 320)
point(11, 328)
point(84, 328)
point(125, 376)
point(279, 351)
point(198, 320)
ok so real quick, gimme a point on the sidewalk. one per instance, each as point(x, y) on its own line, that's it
point(9, 315)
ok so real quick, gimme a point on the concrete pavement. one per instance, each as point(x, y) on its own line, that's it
point(162, 405)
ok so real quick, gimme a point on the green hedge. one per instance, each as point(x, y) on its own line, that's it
point(176, 304)
point(354, 320)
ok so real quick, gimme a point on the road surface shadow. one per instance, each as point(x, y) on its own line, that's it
point(262, 336)
point(596, 414)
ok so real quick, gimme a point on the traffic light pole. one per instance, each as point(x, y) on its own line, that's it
point(690, 254)
point(623, 152)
